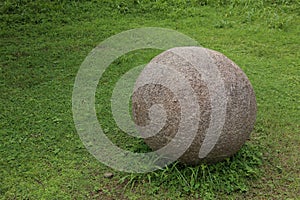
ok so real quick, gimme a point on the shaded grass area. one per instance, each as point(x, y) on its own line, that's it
point(42, 47)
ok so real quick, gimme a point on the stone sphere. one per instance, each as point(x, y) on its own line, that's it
point(198, 94)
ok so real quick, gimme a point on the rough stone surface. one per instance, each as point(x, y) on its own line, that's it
point(240, 110)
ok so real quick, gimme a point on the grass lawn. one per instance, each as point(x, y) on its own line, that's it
point(42, 46)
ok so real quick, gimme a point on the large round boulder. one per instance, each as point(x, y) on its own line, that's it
point(197, 97)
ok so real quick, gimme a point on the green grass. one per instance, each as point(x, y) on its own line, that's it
point(42, 47)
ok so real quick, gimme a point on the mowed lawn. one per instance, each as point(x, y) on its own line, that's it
point(42, 46)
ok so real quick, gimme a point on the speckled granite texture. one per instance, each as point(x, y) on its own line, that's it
point(237, 100)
